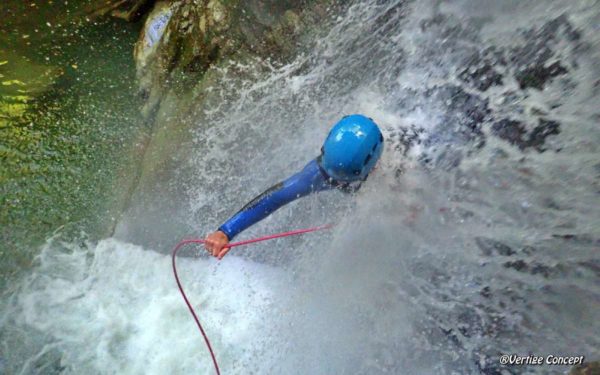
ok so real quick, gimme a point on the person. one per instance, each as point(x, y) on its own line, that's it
point(348, 155)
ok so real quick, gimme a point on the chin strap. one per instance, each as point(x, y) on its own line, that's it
point(234, 244)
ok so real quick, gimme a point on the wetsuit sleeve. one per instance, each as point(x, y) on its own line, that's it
point(310, 180)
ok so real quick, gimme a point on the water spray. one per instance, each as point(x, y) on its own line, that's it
point(234, 244)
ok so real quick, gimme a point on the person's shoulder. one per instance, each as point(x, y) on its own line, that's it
point(312, 167)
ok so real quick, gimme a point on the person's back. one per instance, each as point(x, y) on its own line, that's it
point(349, 153)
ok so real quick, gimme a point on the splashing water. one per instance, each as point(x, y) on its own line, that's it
point(477, 235)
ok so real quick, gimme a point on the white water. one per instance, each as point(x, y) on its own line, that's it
point(115, 308)
point(400, 285)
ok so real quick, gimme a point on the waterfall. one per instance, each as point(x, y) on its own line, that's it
point(476, 236)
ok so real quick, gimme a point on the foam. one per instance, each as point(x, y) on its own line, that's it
point(115, 308)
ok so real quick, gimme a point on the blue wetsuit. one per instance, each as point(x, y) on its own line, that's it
point(309, 180)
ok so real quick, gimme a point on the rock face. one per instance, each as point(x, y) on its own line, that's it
point(181, 40)
point(178, 55)
point(128, 10)
point(148, 70)
point(475, 106)
point(515, 133)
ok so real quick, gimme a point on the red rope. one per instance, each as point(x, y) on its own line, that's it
point(234, 244)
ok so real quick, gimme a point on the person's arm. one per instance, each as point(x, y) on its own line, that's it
point(311, 179)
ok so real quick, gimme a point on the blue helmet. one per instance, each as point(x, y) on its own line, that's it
point(351, 149)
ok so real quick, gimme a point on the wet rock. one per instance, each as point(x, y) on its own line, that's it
point(518, 265)
point(511, 131)
point(543, 270)
point(469, 322)
point(481, 71)
point(405, 138)
point(537, 76)
point(562, 24)
point(129, 10)
point(182, 40)
point(538, 44)
point(590, 368)
point(482, 76)
point(534, 268)
point(538, 135)
point(145, 55)
point(180, 59)
point(532, 60)
point(486, 292)
point(490, 247)
point(451, 336)
point(515, 133)
point(465, 113)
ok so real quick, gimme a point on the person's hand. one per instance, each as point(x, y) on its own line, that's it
point(216, 243)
